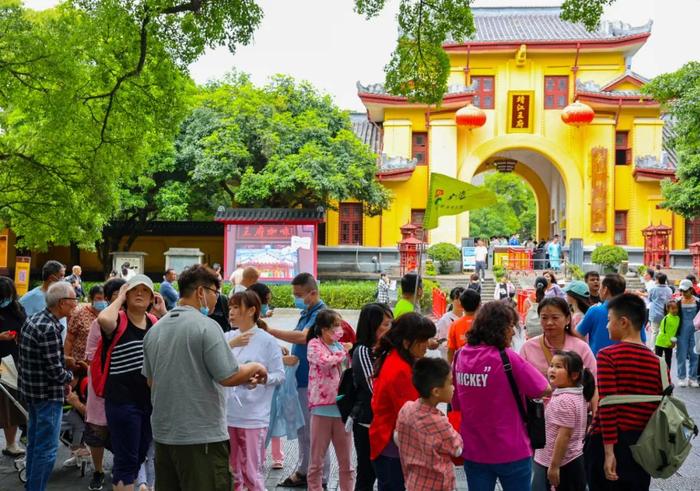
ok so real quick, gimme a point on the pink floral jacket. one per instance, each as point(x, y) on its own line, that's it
point(324, 373)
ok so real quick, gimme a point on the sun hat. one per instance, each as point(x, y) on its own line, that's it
point(685, 285)
point(140, 279)
point(578, 288)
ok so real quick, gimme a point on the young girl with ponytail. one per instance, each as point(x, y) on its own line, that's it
point(248, 410)
point(327, 357)
point(559, 465)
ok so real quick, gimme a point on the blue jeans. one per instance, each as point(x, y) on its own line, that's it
point(389, 474)
point(685, 349)
point(130, 430)
point(43, 429)
point(514, 476)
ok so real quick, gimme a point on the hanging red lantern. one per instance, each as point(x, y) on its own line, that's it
point(577, 114)
point(470, 117)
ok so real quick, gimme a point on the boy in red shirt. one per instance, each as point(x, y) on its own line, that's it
point(456, 337)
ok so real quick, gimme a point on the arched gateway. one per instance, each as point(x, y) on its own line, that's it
point(598, 182)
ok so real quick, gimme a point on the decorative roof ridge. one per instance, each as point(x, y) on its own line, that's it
point(379, 89)
point(592, 87)
point(629, 73)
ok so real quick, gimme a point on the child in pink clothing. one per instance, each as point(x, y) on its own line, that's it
point(560, 463)
point(326, 358)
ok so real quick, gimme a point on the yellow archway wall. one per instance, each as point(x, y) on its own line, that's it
point(471, 158)
point(539, 190)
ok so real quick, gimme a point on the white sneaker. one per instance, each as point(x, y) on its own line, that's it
point(694, 383)
point(71, 461)
point(683, 382)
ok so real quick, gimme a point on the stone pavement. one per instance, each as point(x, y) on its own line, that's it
point(63, 479)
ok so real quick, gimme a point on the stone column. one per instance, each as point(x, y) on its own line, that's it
point(443, 160)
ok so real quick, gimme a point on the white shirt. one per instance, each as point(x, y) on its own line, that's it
point(250, 408)
point(481, 252)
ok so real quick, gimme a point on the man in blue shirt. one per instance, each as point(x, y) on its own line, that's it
point(167, 290)
point(514, 240)
point(307, 299)
point(34, 301)
point(595, 323)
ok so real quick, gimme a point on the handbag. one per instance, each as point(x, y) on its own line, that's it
point(347, 395)
point(533, 412)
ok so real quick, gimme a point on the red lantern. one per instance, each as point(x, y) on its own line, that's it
point(577, 114)
point(470, 117)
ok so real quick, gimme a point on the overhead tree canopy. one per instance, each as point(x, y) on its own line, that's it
point(514, 212)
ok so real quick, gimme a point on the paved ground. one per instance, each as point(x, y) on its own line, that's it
point(64, 479)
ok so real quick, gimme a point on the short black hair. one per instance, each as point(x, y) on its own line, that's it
point(615, 283)
point(96, 290)
point(693, 279)
point(492, 324)
point(306, 280)
point(51, 268)
point(662, 278)
point(112, 286)
point(262, 290)
point(456, 292)
point(408, 283)
point(591, 274)
point(194, 277)
point(631, 306)
point(429, 373)
point(470, 300)
point(650, 272)
point(167, 271)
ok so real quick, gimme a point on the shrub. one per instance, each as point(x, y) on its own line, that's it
point(576, 272)
point(609, 256)
point(443, 253)
point(498, 270)
point(642, 269)
point(430, 268)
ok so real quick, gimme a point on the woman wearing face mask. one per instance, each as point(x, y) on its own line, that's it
point(326, 357)
point(78, 329)
point(248, 410)
point(265, 296)
point(12, 317)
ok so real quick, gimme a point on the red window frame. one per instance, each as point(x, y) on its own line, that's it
point(419, 147)
point(623, 150)
point(556, 92)
point(484, 91)
point(350, 224)
point(620, 227)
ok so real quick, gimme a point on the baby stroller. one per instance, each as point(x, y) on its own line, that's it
point(19, 462)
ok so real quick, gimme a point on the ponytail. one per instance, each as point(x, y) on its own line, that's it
point(588, 383)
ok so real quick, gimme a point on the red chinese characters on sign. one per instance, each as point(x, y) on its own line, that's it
point(265, 232)
point(520, 112)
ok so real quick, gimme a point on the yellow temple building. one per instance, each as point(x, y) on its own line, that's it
point(599, 182)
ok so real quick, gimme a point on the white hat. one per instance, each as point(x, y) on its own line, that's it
point(140, 279)
point(685, 285)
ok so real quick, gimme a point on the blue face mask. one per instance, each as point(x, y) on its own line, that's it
point(204, 310)
point(299, 303)
point(264, 309)
point(4, 303)
point(100, 305)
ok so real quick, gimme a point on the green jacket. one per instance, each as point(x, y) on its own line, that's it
point(667, 330)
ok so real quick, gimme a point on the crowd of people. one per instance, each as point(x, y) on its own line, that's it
point(187, 387)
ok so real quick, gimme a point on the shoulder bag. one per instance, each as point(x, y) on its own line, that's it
point(533, 412)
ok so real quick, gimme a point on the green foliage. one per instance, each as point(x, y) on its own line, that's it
point(443, 253)
point(498, 270)
point(609, 255)
point(430, 268)
point(575, 271)
point(514, 212)
point(679, 92)
point(588, 12)
point(641, 270)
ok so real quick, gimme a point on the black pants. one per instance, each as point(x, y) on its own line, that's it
point(365, 472)
point(572, 476)
point(631, 476)
point(667, 353)
point(389, 474)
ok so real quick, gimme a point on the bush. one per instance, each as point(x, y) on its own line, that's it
point(443, 253)
point(609, 256)
point(642, 269)
point(498, 271)
point(430, 268)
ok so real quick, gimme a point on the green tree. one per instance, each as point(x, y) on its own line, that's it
point(514, 212)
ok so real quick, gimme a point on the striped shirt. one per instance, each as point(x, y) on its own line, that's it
point(125, 383)
point(626, 369)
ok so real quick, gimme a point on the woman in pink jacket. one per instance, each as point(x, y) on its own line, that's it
point(326, 358)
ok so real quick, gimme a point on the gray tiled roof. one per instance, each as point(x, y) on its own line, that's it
point(269, 215)
point(368, 132)
point(541, 24)
point(591, 87)
point(379, 89)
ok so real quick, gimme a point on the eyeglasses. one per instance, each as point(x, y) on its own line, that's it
point(211, 289)
point(69, 298)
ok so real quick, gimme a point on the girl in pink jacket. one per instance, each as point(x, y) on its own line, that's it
point(326, 359)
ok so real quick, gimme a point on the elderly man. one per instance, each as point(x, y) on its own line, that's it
point(250, 277)
point(35, 300)
point(43, 381)
point(75, 280)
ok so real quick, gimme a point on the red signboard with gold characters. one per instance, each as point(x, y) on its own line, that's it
point(599, 189)
point(520, 111)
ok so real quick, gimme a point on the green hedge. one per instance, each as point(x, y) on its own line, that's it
point(336, 294)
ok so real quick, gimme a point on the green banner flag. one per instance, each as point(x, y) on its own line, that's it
point(449, 196)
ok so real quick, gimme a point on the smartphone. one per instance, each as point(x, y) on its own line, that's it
point(441, 340)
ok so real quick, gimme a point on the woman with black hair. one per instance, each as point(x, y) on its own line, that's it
point(12, 317)
point(375, 320)
point(496, 443)
point(405, 342)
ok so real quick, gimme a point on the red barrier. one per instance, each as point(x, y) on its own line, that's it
point(520, 259)
point(439, 303)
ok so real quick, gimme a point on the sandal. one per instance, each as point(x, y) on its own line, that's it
point(13, 452)
point(296, 480)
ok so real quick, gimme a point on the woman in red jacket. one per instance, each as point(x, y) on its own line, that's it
point(405, 342)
